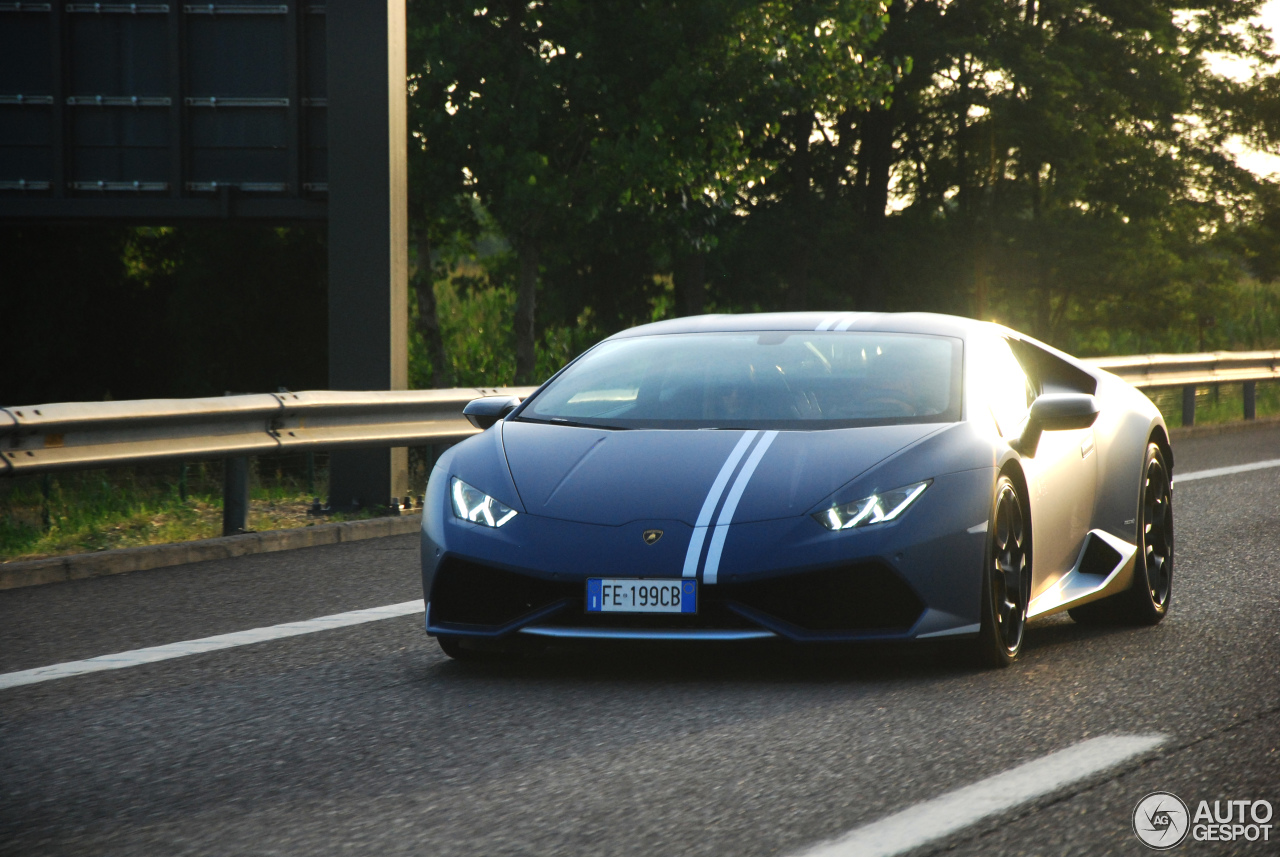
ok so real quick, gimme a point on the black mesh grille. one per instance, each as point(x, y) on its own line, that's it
point(864, 596)
point(468, 593)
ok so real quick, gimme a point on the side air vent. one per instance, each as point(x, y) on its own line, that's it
point(1099, 558)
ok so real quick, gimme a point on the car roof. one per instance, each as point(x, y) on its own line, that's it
point(883, 322)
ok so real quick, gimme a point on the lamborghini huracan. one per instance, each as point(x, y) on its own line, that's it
point(806, 477)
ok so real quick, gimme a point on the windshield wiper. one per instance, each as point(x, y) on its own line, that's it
point(561, 421)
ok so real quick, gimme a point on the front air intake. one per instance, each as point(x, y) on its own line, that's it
point(470, 593)
point(866, 597)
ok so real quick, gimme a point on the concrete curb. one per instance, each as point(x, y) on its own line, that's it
point(57, 569)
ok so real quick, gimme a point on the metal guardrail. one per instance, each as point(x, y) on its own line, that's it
point(1172, 370)
point(75, 435)
point(1188, 371)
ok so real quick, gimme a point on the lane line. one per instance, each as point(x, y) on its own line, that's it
point(694, 553)
point(934, 819)
point(1178, 479)
point(137, 657)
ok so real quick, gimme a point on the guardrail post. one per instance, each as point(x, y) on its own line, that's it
point(235, 496)
point(46, 489)
point(1250, 400)
point(1189, 405)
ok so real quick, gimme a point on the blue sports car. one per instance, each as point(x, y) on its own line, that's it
point(806, 477)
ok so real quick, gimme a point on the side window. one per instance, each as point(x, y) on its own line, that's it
point(1008, 390)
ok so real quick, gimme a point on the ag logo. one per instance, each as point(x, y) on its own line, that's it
point(1161, 820)
point(651, 536)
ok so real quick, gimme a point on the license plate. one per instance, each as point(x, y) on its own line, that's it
point(631, 595)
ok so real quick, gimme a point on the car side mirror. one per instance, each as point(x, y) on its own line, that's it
point(1055, 412)
point(487, 410)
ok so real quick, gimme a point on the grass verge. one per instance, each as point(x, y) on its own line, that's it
point(1216, 403)
point(94, 510)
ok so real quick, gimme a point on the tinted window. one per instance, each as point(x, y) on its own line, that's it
point(758, 380)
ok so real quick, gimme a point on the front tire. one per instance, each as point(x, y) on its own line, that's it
point(452, 646)
point(1006, 579)
point(1147, 600)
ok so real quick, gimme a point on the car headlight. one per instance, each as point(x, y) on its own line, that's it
point(471, 504)
point(875, 509)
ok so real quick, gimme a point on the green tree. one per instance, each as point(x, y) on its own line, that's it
point(596, 132)
point(1069, 155)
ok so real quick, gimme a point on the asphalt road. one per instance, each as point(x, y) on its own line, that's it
point(367, 740)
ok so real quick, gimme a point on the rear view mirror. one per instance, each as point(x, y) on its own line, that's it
point(1056, 412)
point(486, 411)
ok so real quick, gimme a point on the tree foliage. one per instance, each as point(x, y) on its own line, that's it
point(1056, 164)
point(613, 131)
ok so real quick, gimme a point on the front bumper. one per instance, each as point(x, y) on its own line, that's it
point(916, 577)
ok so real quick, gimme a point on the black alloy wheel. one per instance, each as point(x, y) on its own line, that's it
point(1153, 573)
point(1147, 600)
point(1006, 584)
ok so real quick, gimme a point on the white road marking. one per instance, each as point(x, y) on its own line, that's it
point(712, 568)
point(692, 555)
point(120, 660)
point(1179, 478)
point(934, 819)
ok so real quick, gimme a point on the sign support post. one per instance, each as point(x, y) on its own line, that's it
point(368, 230)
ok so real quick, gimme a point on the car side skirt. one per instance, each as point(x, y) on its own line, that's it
point(1104, 567)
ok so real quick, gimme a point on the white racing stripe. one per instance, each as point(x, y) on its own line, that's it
point(829, 323)
point(150, 655)
point(1179, 478)
point(709, 505)
point(712, 568)
point(934, 819)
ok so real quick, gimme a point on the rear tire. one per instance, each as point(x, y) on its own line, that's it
point(1006, 579)
point(1147, 600)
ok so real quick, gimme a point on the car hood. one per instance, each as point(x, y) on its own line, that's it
point(617, 477)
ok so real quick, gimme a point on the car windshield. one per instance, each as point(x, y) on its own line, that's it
point(770, 379)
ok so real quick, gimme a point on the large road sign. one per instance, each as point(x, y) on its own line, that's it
point(166, 112)
point(163, 111)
